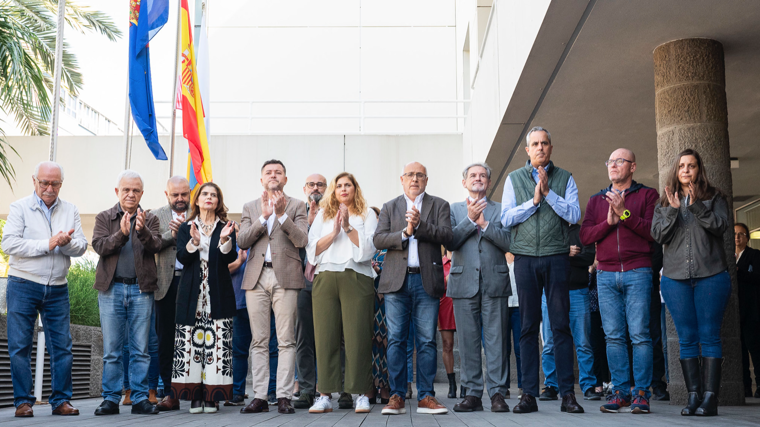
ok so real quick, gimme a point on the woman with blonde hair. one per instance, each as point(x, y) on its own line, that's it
point(341, 248)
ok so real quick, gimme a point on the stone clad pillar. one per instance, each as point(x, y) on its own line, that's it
point(690, 105)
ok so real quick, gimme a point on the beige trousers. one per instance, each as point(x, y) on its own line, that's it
point(265, 296)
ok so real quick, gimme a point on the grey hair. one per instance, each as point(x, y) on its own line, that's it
point(130, 174)
point(537, 129)
point(472, 165)
point(47, 163)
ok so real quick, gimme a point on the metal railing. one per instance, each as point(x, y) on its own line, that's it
point(250, 116)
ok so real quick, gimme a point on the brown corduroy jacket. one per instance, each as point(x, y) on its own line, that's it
point(107, 241)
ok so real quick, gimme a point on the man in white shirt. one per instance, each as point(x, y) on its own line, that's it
point(41, 235)
point(413, 227)
point(274, 227)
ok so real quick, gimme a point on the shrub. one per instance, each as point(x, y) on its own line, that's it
point(83, 298)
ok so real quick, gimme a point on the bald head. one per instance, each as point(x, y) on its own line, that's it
point(621, 175)
point(623, 153)
point(178, 193)
point(314, 187)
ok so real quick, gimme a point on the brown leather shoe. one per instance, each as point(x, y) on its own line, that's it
point(65, 408)
point(127, 400)
point(429, 405)
point(152, 397)
point(24, 410)
point(284, 406)
point(256, 406)
point(168, 404)
point(469, 404)
point(498, 404)
point(395, 406)
point(570, 405)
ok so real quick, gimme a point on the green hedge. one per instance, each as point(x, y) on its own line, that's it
point(83, 298)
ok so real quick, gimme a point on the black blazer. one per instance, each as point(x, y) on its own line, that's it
point(749, 287)
point(219, 280)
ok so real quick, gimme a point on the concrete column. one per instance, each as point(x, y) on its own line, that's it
point(690, 105)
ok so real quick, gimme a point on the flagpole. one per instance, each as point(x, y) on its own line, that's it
point(57, 85)
point(174, 88)
point(127, 120)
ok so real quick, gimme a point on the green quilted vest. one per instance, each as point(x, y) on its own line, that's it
point(545, 233)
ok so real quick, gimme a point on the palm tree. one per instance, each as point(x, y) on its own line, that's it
point(27, 58)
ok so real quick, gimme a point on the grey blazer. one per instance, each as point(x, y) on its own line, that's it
point(433, 232)
point(478, 256)
point(166, 257)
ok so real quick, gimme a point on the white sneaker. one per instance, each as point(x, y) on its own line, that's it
point(209, 409)
point(321, 405)
point(362, 404)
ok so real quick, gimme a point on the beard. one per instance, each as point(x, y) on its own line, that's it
point(315, 197)
point(179, 206)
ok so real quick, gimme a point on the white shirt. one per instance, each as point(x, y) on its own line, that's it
point(413, 258)
point(177, 264)
point(474, 223)
point(270, 223)
point(513, 302)
point(206, 241)
point(343, 253)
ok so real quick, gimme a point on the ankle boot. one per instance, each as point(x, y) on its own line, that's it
point(452, 386)
point(693, 379)
point(711, 367)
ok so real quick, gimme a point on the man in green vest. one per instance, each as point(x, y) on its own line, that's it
point(538, 203)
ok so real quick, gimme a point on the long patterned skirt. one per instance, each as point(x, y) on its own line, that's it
point(380, 343)
point(203, 353)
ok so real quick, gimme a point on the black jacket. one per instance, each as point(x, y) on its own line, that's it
point(221, 293)
point(749, 287)
point(580, 263)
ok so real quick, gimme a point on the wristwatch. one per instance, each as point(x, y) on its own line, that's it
point(407, 235)
point(350, 229)
point(626, 214)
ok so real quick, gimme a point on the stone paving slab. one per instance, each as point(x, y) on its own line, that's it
point(548, 415)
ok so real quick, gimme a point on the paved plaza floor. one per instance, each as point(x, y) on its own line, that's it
point(548, 415)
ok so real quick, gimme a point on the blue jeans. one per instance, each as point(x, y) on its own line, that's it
point(25, 299)
point(124, 305)
point(241, 350)
point(411, 302)
point(514, 326)
point(624, 303)
point(153, 370)
point(410, 353)
point(580, 325)
point(697, 307)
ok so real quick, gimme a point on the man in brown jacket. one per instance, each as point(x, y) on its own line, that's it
point(126, 238)
point(273, 227)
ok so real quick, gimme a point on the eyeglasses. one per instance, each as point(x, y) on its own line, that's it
point(419, 175)
point(46, 184)
point(316, 184)
point(740, 234)
point(617, 162)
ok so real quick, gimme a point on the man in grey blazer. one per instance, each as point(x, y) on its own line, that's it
point(170, 217)
point(413, 227)
point(479, 285)
point(274, 227)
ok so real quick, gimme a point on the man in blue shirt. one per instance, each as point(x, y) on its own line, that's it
point(538, 203)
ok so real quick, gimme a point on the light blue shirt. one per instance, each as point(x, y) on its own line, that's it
point(567, 208)
point(47, 211)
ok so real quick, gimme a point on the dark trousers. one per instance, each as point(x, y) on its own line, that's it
point(750, 340)
point(534, 276)
point(306, 358)
point(241, 349)
point(514, 330)
point(166, 309)
point(599, 346)
point(655, 333)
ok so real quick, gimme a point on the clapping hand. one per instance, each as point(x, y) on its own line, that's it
point(60, 239)
point(543, 181)
point(278, 202)
point(673, 198)
point(266, 208)
point(338, 222)
point(344, 217)
point(195, 234)
point(612, 219)
point(475, 211)
point(175, 224)
point(692, 191)
point(140, 220)
point(125, 223)
point(228, 229)
point(412, 220)
point(617, 202)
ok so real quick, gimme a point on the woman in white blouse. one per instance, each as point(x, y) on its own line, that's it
point(202, 371)
point(343, 297)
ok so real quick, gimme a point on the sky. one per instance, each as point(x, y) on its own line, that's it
point(104, 63)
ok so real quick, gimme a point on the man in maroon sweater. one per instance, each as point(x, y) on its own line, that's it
point(618, 220)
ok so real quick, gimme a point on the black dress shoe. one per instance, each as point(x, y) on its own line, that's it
point(284, 406)
point(498, 404)
point(527, 404)
point(660, 394)
point(469, 404)
point(570, 405)
point(548, 393)
point(592, 394)
point(144, 407)
point(107, 408)
point(256, 406)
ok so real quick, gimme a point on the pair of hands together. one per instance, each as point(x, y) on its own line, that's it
point(62, 238)
point(673, 198)
point(277, 205)
point(125, 223)
point(542, 186)
point(475, 211)
point(341, 219)
point(228, 229)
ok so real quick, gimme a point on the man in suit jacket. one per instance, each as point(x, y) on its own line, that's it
point(169, 270)
point(412, 227)
point(479, 285)
point(748, 277)
point(273, 227)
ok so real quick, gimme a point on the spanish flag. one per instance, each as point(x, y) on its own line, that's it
point(193, 124)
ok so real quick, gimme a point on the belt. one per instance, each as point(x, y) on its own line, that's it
point(412, 270)
point(268, 264)
point(177, 273)
point(124, 280)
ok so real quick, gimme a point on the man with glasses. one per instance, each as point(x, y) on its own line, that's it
point(618, 220)
point(748, 277)
point(41, 235)
point(412, 227)
point(539, 202)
